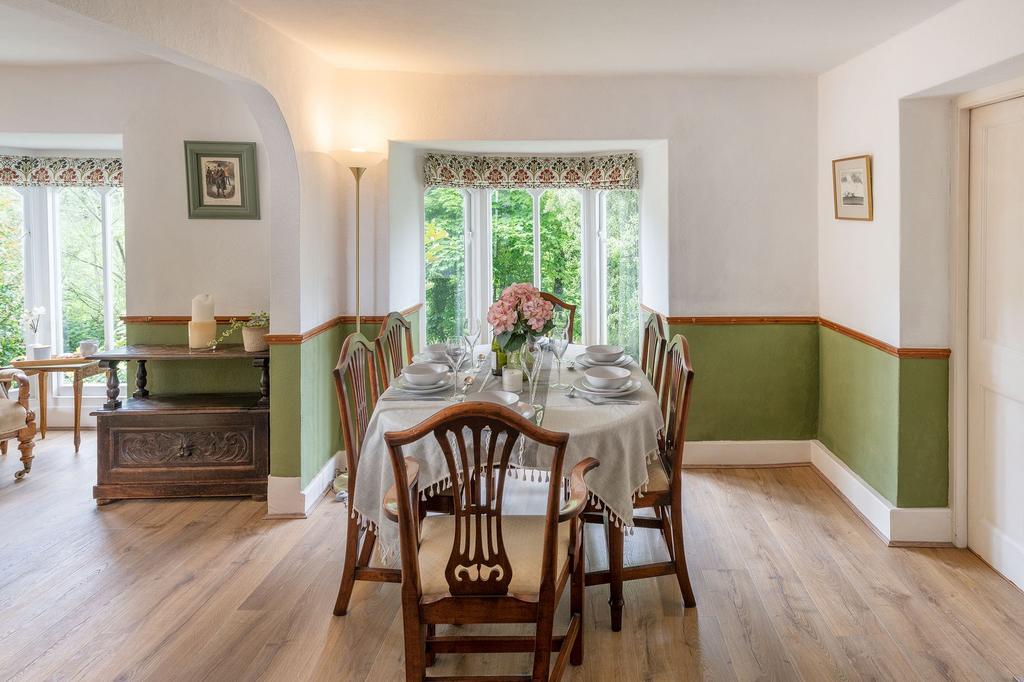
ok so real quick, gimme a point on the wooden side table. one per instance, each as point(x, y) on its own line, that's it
point(80, 367)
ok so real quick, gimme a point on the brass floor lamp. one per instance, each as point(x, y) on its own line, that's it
point(357, 160)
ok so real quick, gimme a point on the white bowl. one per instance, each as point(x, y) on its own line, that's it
point(435, 351)
point(425, 374)
point(607, 377)
point(604, 353)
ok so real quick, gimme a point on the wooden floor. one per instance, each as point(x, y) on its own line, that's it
point(790, 585)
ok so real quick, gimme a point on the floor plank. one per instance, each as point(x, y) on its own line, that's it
point(790, 585)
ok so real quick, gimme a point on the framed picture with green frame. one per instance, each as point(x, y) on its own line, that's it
point(222, 180)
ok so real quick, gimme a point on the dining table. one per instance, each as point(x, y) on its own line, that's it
point(621, 433)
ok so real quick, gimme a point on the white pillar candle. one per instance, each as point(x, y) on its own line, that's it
point(512, 380)
point(202, 308)
point(201, 334)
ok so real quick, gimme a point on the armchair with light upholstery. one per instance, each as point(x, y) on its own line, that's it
point(16, 419)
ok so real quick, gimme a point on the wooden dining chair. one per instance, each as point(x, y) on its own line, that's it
point(652, 348)
point(663, 494)
point(569, 307)
point(481, 565)
point(355, 381)
point(393, 348)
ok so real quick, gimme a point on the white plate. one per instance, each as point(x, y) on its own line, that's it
point(584, 360)
point(631, 387)
point(402, 385)
point(506, 398)
point(424, 358)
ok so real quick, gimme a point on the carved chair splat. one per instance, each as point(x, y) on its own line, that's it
point(393, 347)
point(481, 565)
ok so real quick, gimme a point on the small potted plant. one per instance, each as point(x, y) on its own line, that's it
point(254, 332)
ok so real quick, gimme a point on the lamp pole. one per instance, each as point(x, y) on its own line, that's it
point(357, 173)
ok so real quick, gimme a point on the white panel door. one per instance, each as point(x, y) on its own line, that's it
point(995, 467)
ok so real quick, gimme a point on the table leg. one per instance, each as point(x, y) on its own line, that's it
point(140, 380)
point(78, 409)
point(41, 377)
point(113, 385)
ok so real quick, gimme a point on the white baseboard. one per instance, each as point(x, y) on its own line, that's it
point(740, 453)
point(285, 498)
point(895, 525)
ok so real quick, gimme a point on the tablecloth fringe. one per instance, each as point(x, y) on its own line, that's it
point(444, 483)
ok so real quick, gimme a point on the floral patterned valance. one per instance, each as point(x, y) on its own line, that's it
point(613, 171)
point(60, 171)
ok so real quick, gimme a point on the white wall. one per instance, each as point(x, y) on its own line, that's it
point(740, 161)
point(155, 107)
point(890, 278)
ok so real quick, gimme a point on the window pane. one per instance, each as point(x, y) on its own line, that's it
point(79, 221)
point(119, 276)
point(12, 275)
point(622, 230)
point(444, 251)
point(561, 249)
point(511, 238)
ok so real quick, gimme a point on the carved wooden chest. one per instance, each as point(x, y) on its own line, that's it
point(183, 446)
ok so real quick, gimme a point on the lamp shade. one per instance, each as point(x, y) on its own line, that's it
point(357, 157)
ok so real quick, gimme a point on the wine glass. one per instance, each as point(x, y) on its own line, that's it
point(471, 335)
point(456, 354)
point(531, 351)
point(559, 342)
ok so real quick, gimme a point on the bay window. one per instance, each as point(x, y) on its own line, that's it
point(578, 243)
point(62, 235)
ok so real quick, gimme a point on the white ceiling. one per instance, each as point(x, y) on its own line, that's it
point(592, 36)
point(27, 39)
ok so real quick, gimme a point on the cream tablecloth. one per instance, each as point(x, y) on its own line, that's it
point(621, 437)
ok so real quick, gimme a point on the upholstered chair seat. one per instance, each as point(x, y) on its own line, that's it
point(16, 419)
point(657, 477)
point(12, 416)
point(522, 537)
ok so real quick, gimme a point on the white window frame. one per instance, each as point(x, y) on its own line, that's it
point(478, 229)
point(43, 272)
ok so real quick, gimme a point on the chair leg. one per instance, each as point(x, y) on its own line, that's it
point(542, 647)
point(682, 575)
point(615, 559)
point(348, 575)
point(576, 599)
point(3, 447)
point(25, 446)
point(415, 649)
point(430, 657)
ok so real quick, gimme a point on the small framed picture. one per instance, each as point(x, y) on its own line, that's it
point(851, 188)
point(221, 180)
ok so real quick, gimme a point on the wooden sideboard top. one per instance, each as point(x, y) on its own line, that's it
point(179, 352)
point(205, 403)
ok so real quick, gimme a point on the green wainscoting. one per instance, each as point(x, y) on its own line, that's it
point(924, 433)
point(887, 419)
point(753, 381)
point(305, 432)
point(859, 409)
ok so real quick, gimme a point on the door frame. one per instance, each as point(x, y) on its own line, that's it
point(960, 240)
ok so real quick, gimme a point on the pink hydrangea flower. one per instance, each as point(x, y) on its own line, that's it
point(519, 301)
